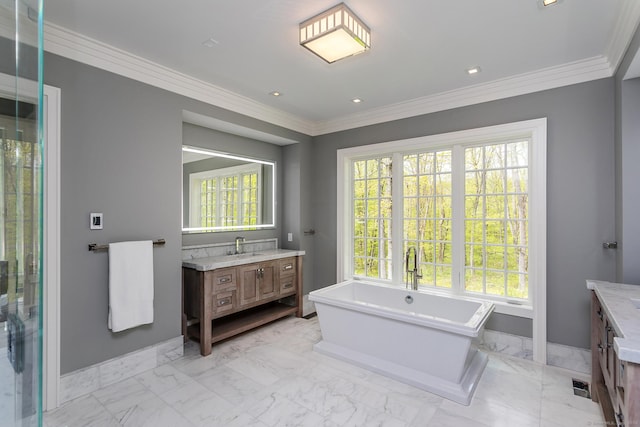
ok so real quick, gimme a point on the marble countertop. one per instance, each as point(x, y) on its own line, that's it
point(621, 304)
point(211, 263)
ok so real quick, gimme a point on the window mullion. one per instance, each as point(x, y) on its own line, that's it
point(458, 249)
point(397, 227)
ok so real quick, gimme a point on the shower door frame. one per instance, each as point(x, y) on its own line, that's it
point(51, 248)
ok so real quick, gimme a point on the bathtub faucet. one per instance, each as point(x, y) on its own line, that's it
point(411, 259)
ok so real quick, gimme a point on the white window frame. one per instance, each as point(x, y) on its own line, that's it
point(535, 131)
point(194, 189)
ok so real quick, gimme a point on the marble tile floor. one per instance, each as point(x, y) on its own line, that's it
point(271, 377)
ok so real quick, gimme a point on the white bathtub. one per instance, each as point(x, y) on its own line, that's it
point(425, 342)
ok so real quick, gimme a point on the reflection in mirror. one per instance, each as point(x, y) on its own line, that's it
point(225, 192)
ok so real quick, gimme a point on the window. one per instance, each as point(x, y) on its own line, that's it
point(472, 203)
point(372, 217)
point(226, 197)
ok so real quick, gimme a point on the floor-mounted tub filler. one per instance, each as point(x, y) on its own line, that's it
point(419, 338)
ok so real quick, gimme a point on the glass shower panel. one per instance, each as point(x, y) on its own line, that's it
point(21, 213)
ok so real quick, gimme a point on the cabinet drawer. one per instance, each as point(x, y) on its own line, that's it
point(224, 279)
point(287, 285)
point(287, 266)
point(224, 302)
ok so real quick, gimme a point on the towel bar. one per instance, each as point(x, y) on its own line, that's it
point(95, 247)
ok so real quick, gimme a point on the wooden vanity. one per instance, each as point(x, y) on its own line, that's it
point(225, 296)
point(615, 351)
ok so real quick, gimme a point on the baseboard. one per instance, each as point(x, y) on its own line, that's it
point(562, 356)
point(308, 307)
point(92, 378)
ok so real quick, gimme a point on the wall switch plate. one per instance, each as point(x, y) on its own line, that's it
point(96, 221)
point(290, 237)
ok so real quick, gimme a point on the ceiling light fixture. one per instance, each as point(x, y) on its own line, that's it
point(549, 2)
point(275, 93)
point(335, 34)
point(356, 100)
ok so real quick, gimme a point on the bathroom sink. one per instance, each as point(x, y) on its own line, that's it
point(241, 256)
point(636, 302)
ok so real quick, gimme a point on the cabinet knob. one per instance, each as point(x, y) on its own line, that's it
point(599, 313)
point(600, 348)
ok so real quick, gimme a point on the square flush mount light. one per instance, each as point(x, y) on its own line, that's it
point(335, 34)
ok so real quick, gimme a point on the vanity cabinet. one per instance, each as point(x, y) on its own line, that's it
point(257, 282)
point(219, 303)
point(615, 382)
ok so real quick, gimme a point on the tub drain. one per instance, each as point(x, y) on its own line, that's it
point(408, 299)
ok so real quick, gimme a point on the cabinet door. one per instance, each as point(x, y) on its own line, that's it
point(248, 284)
point(268, 285)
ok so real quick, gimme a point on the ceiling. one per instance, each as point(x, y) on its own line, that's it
point(419, 55)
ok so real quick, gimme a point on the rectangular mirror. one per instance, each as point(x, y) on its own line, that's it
point(226, 192)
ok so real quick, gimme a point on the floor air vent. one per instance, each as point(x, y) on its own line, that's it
point(581, 388)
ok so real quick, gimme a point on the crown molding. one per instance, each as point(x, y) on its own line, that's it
point(623, 32)
point(535, 81)
point(75, 46)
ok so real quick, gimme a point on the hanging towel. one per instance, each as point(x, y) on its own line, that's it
point(130, 284)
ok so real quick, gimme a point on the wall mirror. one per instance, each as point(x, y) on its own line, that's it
point(226, 192)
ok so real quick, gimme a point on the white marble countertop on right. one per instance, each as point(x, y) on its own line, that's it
point(621, 303)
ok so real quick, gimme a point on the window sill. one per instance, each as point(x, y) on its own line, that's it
point(513, 309)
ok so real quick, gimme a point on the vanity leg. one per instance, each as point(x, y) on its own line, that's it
point(205, 337)
point(299, 290)
point(205, 317)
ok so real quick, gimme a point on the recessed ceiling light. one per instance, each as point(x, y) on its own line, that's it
point(542, 4)
point(275, 93)
point(210, 42)
point(473, 70)
point(356, 100)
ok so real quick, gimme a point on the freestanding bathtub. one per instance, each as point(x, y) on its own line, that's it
point(415, 337)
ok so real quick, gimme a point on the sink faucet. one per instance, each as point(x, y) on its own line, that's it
point(239, 242)
point(411, 259)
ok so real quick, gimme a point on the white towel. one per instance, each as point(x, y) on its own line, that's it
point(130, 284)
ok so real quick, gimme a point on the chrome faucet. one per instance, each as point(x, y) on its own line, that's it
point(239, 242)
point(413, 272)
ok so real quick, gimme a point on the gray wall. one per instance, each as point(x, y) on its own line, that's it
point(121, 155)
point(630, 178)
point(297, 207)
point(627, 171)
point(580, 192)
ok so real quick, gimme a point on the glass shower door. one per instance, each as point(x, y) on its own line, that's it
point(20, 213)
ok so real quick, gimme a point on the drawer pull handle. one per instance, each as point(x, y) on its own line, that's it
point(224, 301)
point(225, 279)
point(288, 267)
point(599, 313)
point(288, 285)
